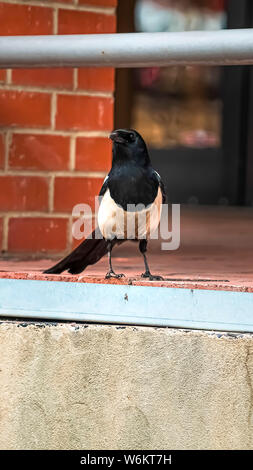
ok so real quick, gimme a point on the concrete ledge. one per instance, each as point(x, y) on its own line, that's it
point(76, 386)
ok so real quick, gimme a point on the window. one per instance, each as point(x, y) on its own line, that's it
point(196, 120)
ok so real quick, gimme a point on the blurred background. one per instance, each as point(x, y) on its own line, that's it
point(195, 119)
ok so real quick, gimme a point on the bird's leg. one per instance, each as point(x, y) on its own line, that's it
point(111, 272)
point(143, 248)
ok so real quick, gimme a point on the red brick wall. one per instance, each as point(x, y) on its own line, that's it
point(54, 124)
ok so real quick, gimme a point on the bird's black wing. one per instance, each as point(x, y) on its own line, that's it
point(104, 186)
point(157, 178)
point(88, 252)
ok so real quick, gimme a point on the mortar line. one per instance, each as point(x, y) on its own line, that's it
point(69, 234)
point(75, 79)
point(49, 131)
point(5, 232)
point(59, 91)
point(51, 194)
point(8, 138)
point(46, 174)
point(35, 214)
point(53, 110)
point(55, 20)
point(64, 6)
point(72, 153)
point(8, 77)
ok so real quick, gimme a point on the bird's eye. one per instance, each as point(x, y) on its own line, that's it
point(132, 137)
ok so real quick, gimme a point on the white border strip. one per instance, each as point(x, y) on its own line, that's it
point(123, 304)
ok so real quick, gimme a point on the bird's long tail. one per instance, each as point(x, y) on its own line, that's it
point(88, 252)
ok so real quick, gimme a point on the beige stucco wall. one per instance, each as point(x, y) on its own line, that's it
point(107, 387)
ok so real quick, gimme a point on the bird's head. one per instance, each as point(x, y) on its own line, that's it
point(128, 144)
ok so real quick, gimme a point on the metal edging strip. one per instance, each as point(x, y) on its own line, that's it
point(124, 304)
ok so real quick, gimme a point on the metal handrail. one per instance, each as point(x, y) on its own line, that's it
point(224, 47)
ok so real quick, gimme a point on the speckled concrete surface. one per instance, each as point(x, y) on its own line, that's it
point(76, 386)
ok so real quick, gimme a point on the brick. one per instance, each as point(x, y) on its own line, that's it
point(93, 154)
point(1, 234)
point(2, 147)
point(2, 75)
point(79, 112)
point(99, 3)
point(56, 78)
point(70, 191)
point(84, 22)
point(37, 234)
point(22, 108)
point(24, 193)
point(97, 79)
point(18, 19)
point(39, 152)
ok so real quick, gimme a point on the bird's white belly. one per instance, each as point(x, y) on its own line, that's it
point(113, 221)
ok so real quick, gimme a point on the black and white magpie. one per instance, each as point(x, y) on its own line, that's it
point(132, 195)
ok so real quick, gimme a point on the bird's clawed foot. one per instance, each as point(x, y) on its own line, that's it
point(112, 274)
point(148, 275)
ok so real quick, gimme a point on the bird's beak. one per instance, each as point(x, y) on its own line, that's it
point(115, 137)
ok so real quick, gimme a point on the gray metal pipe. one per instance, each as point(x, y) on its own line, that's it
point(225, 47)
